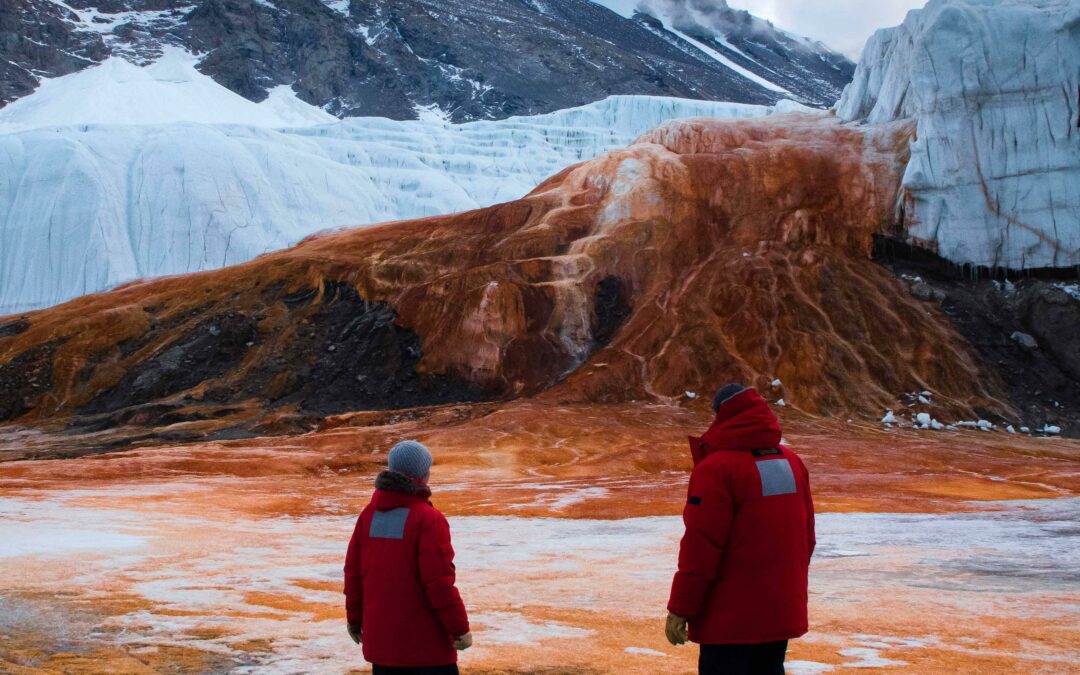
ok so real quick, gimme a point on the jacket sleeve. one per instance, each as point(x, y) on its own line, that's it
point(811, 536)
point(707, 515)
point(438, 575)
point(354, 590)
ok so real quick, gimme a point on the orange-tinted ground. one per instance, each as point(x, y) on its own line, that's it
point(226, 556)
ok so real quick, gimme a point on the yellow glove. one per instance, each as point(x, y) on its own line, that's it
point(463, 642)
point(676, 630)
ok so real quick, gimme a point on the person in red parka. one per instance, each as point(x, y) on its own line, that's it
point(741, 588)
point(400, 598)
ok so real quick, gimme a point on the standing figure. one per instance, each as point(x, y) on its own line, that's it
point(741, 588)
point(400, 597)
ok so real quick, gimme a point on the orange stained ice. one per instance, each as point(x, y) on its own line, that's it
point(226, 556)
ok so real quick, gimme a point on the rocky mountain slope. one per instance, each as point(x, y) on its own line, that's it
point(709, 250)
point(995, 90)
point(470, 59)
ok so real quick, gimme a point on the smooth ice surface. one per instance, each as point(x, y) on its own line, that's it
point(24, 531)
point(994, 85)
point(227, 582)
point(85, 207)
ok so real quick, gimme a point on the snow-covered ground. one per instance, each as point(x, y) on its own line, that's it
point(217, 581)
point(994, 177)
point(169, 186)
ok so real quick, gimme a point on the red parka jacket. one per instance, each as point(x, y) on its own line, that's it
point(749, 519)
point(399, 579)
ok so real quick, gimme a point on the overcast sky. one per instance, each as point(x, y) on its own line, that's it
point(844, 25)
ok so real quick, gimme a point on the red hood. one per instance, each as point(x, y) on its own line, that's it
point(386, 500)
point(744, 422)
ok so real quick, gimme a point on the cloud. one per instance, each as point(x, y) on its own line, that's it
point(844, 25)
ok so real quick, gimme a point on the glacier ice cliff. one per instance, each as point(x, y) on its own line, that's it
point(86, 207)
point(994, 85)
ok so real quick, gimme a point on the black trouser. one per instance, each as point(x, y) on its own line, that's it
point(763, 659)
point(424, 670)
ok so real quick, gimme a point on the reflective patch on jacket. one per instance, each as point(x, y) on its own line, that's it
point(389, 524)
point(777, 478)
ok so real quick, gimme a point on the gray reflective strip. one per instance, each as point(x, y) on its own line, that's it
point(776, 477)
point(389, 524)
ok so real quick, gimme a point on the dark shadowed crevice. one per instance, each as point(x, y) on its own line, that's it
point(13, 328)
point(610, 310)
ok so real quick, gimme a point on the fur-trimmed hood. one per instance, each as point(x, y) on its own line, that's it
point(392, 481)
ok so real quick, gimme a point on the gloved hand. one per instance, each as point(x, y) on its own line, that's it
point(676, 630)
point(463, 642)
point(354, 633)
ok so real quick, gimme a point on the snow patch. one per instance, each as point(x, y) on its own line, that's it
point(64, 532)
point(798, 667)
point(339, 6)
point(1072, 289)
point(169, 90)
point(432, 114)
point(644, 651)
point(867, 657)
point(512, 628)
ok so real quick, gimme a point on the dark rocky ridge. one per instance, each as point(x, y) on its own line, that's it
point(37, 40)
point(339, 353)
point(1042, 378)
point(474, 59)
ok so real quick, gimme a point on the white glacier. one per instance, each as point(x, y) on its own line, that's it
point(84, 206)
point(994, 85)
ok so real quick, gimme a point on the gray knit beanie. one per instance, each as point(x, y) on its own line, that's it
point(725, 394)
point(410, 458)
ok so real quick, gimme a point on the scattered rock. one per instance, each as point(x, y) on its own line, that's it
point(922, 291)
point(1024, 340)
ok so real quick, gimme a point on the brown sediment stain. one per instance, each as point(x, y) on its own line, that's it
point(708, 250)
point(632, 457)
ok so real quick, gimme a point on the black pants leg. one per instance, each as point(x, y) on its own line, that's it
point(451, 669)
point(763, 659)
